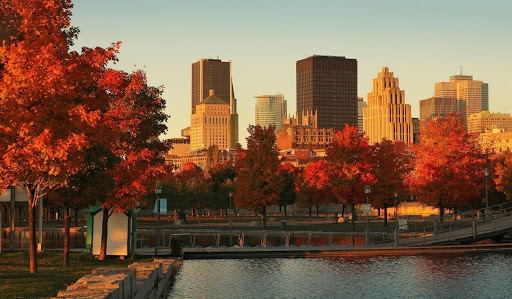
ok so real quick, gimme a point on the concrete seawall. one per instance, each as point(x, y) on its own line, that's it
point(138, 280)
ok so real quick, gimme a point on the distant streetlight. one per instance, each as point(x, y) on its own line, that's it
point(367, 191)
point(230, 211)
point(396, 204)
point(158, 190)
point(486, 216)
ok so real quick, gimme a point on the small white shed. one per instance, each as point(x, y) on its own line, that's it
point(121, 231)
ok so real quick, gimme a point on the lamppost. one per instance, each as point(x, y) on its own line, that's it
point(158, 190)
point(230, 210)
point(396, 204)
point(367, 191)
point(486, 172)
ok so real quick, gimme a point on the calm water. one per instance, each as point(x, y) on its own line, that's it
point(449, 276)
point(51, 239)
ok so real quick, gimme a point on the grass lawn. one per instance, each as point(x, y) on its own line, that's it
point(17, 282)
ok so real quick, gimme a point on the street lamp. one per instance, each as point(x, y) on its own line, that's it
point(158, 190)
point(230, 210)
point(367, 191)
point(486, 172)
point(396, 204)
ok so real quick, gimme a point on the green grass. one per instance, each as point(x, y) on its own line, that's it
point(17, 282)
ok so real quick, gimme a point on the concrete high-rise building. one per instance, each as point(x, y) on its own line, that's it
point(211, 124)
point(214, 74)
point(387, 115)
point(327, 85)
point(486, 121)
point(433, 107)
point(472, 96)
point(270, 110)
point(416, 125)
point(360, 105)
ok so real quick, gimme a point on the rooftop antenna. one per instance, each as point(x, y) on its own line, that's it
point(461, 70)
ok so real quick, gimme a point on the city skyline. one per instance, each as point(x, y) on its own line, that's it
point(422, 44)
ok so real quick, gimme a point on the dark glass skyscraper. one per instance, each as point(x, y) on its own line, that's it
point(328, 85)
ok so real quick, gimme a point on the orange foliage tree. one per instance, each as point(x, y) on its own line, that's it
point(349, 158)
point(503, 178)
point(448, 167)
point(314, 185)
point(47, 103)
point(130, 130)
point(388, 169)
point(258, 183)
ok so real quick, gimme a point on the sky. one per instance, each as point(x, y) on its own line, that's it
point(422, 42)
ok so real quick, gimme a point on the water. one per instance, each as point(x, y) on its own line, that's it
point(52, 239)
point(446, 276)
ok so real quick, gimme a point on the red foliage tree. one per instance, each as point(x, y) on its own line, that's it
point(503, 171)
point(47, 102)
point(388, 169)
point(258, 182)
point(349, 157)
point(448, 167)
point(314, 183)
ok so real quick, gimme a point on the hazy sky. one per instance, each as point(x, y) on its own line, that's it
point(422, 42)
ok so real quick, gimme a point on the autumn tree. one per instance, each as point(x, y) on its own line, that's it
point(258, 183)
point(221, 179)
point(388, 169)
point(130, 130)
point(315, 185)
point(503, 171)
point(48, 107)
point(448, 167)
point(289, 192)
point(349, 158)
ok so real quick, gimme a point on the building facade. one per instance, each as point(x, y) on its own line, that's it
point(360, 105)
point(486, 121)
point(214, 74)
point(211, 124)
point(497, 140)
point(432, 107)
point(472, 96)
point(387, 115)
point(304, 134)
point(270, 110)
point(328, 85)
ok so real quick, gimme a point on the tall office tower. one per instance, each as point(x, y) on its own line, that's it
point(387, 115)
point(328, 85)
point(214, 74)
point(433, 107)
point(472, 95)
point(210, 124)
point(360, 105)
point(270, 110)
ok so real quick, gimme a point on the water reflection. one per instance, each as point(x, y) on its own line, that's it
point(446, 276)
point(52, 239)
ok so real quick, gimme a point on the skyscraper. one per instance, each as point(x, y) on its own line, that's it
point(360, 105)
point(433, 107)
point(214, 74)
point(270, 110)
point(327, 85)
point(387, 115)
point(472, 95)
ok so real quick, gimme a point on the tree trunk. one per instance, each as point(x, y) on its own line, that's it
point(385, 215)
point(67, 220)
point(310, 211)
point(76, 217)
point(441, 215)
point(378, 212)
point(104, 233)
point(284, 210)
point(353, 209)
point(342, 210)
point(192, 212)
point(317, 211)
point(264, 217)
point(32, 201)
